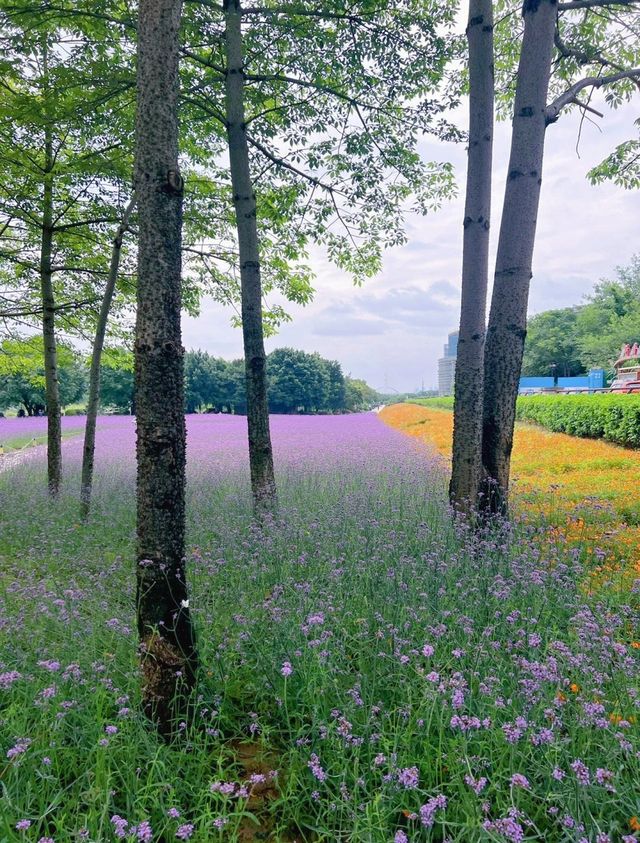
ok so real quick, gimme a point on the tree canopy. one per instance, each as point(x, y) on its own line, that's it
point(576, 339)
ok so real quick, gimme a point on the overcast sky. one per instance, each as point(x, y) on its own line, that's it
point(391, 331)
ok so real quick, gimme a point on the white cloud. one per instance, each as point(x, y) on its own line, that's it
point(391, 330)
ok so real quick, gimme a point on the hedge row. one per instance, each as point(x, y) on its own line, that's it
point(612, 417)
point(437, 403)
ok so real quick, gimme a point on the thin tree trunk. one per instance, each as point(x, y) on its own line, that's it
point(263, 484)
point(467, 416)
point(167, 643)
point(93, 401)
point(52, 389)
point(508, 316)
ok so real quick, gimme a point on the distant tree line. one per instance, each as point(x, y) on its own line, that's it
point(571, 340)
point(298, 383)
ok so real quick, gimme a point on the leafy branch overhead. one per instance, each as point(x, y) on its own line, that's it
point(335, 107)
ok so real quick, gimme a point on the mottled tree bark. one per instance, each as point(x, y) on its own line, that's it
point(93, 400)
point(263, 484)
point(467, 416)
point(52, 390)
point(508, 315)
point(167, 644)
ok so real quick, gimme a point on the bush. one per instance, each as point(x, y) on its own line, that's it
point(612, 417)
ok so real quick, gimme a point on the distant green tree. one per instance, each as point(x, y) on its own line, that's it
point(552, 341)
point(29, 391)
point(359, 395)
point(611, 317)
point(116, 389)
point(22, 375)
point(336, 393)
point(198, 381)
point(298, 382)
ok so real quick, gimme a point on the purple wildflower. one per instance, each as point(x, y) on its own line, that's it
point(119, 826)
point(428, 811)
point(408, 778)
point(314, 765)
point(581, 772)
point(145, 833)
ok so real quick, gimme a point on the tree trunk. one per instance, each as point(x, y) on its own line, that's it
point(467, 415)
point(52, 389)
point(263, 484)
point(93, 401)
point(167, 643)
point(508, 316)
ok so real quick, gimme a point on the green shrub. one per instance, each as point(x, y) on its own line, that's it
point(612, 417)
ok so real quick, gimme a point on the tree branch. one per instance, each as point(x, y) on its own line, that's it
point(590, 4)
point(553, 110)
point(581, 56)
point(75, 305)
point(280, 162)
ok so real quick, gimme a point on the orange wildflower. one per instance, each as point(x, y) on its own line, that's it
point(634, 824)
point(581, 487)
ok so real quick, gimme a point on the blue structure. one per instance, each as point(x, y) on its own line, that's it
point(535, 383)
point(594, 380)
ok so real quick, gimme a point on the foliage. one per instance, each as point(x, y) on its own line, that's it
point(359, 395)
point(335, 103)
point(591, 41)
point(22, 375)
point(66, 120)
point(615, 418)
point(611, 318)
point(298, 382)
point(443, 403)
point(551, 345)
point(116, 389)
point(576, 339)
point(622, 166)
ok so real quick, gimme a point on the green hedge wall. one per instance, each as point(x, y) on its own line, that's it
point(612, 417)
point(436, 403)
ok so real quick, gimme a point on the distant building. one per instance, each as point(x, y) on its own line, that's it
point(447, 365)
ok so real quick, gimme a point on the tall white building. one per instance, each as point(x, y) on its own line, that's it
point(447, 365)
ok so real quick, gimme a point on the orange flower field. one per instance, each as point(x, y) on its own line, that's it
point(585, 489)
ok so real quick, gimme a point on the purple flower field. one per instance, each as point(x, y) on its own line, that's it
point(369, 670)
point(12, 428)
